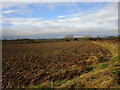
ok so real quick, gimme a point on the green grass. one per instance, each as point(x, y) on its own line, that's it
point(105, 65)
point(116, 71)
point(117, 58)
point(59, 83)
point(40, 87)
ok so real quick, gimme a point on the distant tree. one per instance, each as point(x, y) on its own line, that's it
point(67, 40)
point(87, 37)
point(92, 39)
point(69, 37)
point(98, 38)
point(75, 39)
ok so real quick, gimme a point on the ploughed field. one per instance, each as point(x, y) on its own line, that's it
point(48, 64)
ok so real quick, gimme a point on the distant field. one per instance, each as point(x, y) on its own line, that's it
point(81, 64)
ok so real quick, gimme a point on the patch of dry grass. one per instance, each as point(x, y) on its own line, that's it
point(112, 47)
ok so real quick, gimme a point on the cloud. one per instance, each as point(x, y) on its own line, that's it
point(102, 22)
point(11, 4)
point(9, 11)
point(19, 8)
point(61, 16)
point(21, 21)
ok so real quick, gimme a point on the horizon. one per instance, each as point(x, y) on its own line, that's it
point(61, 37)
point(57, 19)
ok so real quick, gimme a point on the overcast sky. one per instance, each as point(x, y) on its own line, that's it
point(55, 20)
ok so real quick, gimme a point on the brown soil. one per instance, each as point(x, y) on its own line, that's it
point(31, 64)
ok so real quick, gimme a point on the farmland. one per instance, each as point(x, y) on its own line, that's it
point(73, 64)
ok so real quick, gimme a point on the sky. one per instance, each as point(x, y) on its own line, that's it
point(58, 19)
